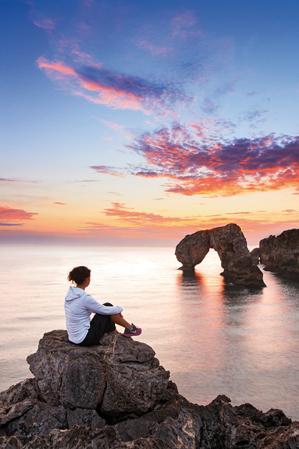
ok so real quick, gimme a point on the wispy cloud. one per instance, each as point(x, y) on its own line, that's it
point(254, 117)
point(45, 23)
point(17, 181)
point(8, 213)
point(107, 170)
point(5, 180)
point(209, 106)
point(130, 223)
point(212, 101)
point(154, 49)
point(85, 181)
point(224, 167)
point(59, 203)
point(112, 125)
point(121, 129)
point(185, 25)
point(130, 215)
point(10, 224)
point(117, 90)
point(56, 68)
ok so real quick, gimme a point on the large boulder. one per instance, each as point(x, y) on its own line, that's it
point(281, 254)
point(239, 267)
point(119, 376)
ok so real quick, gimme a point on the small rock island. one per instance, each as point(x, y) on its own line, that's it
point(240, 267)
point(281, 254)
point(117, 396)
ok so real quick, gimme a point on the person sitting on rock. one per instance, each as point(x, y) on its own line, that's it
point(78, 306)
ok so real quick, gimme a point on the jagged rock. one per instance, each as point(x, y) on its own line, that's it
point(40, 419)
point(229, 242)
point(84, 417)
point(218, 425)
point(120, 376)
point(147, 424)
point(82, 438)
point(27, 389)
point(17, 400)
point(226, 427)
point(13, 411)
point(170, 421)
point(281, 254)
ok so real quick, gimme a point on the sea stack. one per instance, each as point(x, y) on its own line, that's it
point(239, 267)
point(281, 254)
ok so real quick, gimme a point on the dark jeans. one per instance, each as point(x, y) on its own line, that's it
point(99, 325)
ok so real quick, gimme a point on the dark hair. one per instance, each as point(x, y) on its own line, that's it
point(79, 274)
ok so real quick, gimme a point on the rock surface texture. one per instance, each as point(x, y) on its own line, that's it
point(134, 405)
point(281, 254)
point(239, 266)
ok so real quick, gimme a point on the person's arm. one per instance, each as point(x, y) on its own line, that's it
point(96, 307)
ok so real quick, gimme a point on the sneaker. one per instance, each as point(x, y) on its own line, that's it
point(132, 331)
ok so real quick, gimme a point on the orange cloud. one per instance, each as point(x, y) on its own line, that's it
point(129, 215)
point(132, 224)
point(195, 165)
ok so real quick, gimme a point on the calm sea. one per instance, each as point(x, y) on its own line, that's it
point(214, 340)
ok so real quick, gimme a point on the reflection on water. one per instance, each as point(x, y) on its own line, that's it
point(215, 339)
point(247, 342)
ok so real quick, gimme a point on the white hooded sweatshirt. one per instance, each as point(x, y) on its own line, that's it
point(78, 306)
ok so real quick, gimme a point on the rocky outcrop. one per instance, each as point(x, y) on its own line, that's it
point(136, 407)
point(239, 267)
point(281, 254)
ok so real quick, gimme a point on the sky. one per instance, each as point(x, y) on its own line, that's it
point(135, 123)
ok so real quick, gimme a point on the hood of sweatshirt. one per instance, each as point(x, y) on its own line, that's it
point(74, 293)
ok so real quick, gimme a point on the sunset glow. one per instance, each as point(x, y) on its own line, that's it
point(138, 123)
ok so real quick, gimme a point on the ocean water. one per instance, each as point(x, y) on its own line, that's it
point(213, 339)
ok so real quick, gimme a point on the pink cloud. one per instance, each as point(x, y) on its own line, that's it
point(101, 86)
point(83, 57)
point(107, 95)
point(56, 67)
point(184, 26)
point(155, 50)
point(140, 225)
point(229, 167)
point(10, 213)
point(112, 125)
point(130, 215)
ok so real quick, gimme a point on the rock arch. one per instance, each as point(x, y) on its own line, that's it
point(239, 267)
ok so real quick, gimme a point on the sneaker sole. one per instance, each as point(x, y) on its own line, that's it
point(132, 335)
